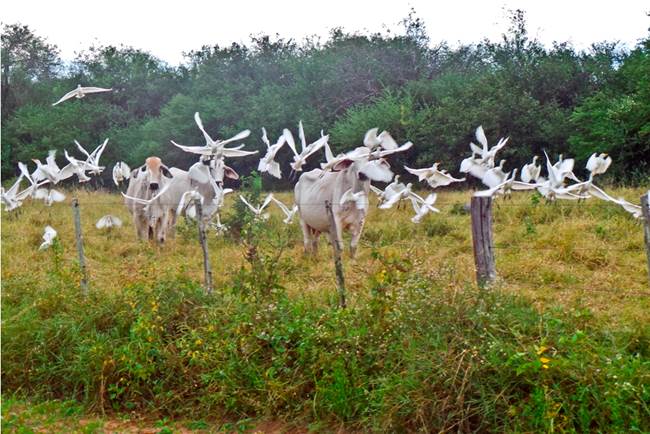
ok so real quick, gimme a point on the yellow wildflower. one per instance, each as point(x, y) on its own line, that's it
point(544, 360)
point(541, 349)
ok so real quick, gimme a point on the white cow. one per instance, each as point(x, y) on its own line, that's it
point(151, 219)
point(316, 187)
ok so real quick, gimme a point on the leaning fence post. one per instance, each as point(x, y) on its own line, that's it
point(481, 210)
point(645, 209)
point(338, 266)
point(80, 245)
point(204, 245)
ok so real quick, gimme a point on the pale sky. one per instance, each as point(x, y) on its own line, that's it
point(167, 28)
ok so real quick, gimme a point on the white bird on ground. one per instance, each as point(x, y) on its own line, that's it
point(217, 147)
point(598, 164)
point(422, 207)
point(217, 225)
point(48, 237)
point(258, 210)
point(299, 159)
point(487, 154)
point(360, 199)
point(121, 172)
point(268, 163)
point(289, 213)
point(435, 178)
point(93, 157)
point(49, 195)
point(531, 172)
point(80, 92)
point(108, 221)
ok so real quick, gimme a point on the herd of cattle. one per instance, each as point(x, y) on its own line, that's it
point(157, 194)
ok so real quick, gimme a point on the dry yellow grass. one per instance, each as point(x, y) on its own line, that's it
point(564, 254)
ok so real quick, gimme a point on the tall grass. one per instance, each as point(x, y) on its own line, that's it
point(418, 348)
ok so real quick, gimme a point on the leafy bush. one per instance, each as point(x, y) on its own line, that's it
point(408, 356)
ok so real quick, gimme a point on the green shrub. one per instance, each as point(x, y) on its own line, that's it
point(408, 356)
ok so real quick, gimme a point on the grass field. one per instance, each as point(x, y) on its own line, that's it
point(572, 287)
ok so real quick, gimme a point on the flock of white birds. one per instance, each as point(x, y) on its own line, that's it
point(481, 164)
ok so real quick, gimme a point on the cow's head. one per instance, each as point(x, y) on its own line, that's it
point(211, 167)
point(152, 172)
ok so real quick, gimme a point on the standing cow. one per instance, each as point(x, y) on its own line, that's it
point(146, 182)
point(316, 187)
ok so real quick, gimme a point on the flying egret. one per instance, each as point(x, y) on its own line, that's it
point(289, 213)
point(393, 197)
point(94, 156)
point(258, 210)
point(81, 92)
point(487, 154)
point(299, 159)
point(268, 163)
point(217, 148)
point(360, 199)
point(531, 171)
point(422, 207)
point(598, 163)
point(435, 178)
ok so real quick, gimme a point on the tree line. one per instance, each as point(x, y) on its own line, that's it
point(554, 98)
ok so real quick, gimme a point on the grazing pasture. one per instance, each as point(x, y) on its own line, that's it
point(560, 342)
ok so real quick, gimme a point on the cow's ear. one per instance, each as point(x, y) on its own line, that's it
point(230, 173)
point(342, 165)
point(377, 170)
point(165, 171)
point(137, 171)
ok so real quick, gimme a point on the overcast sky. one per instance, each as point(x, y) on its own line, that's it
point(167, 28)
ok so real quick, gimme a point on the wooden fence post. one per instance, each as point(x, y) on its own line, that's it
point(481, 210)
point(645, 208)
point(338, 266)
point(80, 245)
point(204, 245)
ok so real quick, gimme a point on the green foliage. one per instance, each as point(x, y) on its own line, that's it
point(555, 99)
point(416, 357)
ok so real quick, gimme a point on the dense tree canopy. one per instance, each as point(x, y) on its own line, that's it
point(555, 99)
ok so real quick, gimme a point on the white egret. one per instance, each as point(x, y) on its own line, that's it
point(435, 178)
point(258, 210)
point(289, 213)
point(48, 237)
point(121, 172)
point(268, 163)
point(299, 159)
point(108, 221)
point(81, 92)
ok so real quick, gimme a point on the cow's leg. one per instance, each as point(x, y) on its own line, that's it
point(357, 230)
point(141, 227)
point(306, 236)
point(315, 235)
